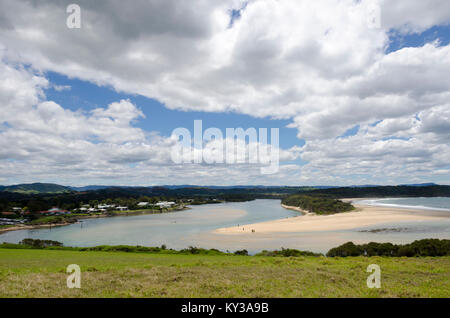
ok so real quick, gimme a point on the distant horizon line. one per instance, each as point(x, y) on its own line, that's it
point(222, 186)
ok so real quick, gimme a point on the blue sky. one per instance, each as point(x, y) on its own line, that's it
point(87, 96)
point(399, 41)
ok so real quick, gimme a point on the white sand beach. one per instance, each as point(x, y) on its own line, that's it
point(363, 216)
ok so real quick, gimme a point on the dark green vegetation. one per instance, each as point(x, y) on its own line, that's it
point(388, 191)
point(427, 247)
point(319, 204)
point(57, 219)
point(42, 273)
point(287, 252)
point(39, 243)
point(54, 245)
point(420, 248)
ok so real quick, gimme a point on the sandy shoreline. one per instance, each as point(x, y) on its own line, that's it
point(294, 208)
point(362, 217)
point(32, 227)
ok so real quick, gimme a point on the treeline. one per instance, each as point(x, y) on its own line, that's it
point(40, 243)
point(129, 196)
point(319, 204)
point(54, 245)
point(420, 248)
point(427, 247)
point(387, 191)
point(287, 252)
point(29, 243)
point(54, 219)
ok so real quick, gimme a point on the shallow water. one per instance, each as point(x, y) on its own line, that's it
point(193, 228)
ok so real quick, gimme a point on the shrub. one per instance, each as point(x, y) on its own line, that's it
point(200, 251)
point(241, 252)
point(40, 243)
point(426, 247)
point(347, 249)
point(286, 252)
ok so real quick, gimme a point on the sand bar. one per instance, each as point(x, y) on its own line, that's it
point(362, 217)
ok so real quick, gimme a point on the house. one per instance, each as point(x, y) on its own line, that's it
point(105, 206)
point(17, 210)
point(58, 211)
point(122, 208)
point(165, 204)
point(54, 211)
point(8, 213)
point(6, 221)
point(142, 204)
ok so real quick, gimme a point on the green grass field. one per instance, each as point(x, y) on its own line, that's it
point(42, 273)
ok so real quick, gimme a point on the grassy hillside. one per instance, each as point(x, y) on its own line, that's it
point(36, 188)
point(42, 273)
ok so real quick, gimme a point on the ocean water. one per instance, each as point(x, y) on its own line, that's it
point(438, 203)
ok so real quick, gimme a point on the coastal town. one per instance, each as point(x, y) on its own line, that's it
point(22, 215)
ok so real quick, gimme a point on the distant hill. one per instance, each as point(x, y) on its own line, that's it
point(36, 188)
point(420, 185)
point(257, 191)
point(363, 186)
point(187, 186)
point(400, 185)
point(90, 188)
point(388, 191)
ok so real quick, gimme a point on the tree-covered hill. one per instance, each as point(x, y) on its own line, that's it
point(318, 204)
point(36, 188)
point(388, 191)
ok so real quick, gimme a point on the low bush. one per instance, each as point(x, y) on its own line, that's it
point(287, 252)
point(241, 252)
point(426, 247)
point(40, 243)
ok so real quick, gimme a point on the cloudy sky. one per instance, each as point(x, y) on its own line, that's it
point(360, 90)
